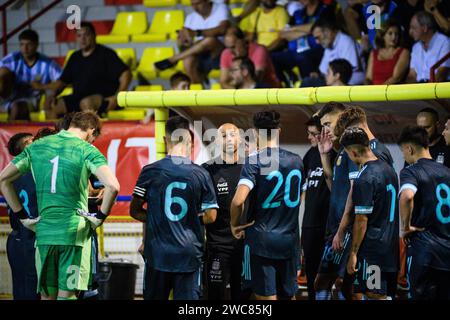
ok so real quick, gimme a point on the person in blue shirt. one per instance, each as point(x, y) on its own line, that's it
point(180, 197)
point(23, 77)
point(375, 236)
point(20, 243)
point(425, 215)
point(302, 49)
point(271, 178)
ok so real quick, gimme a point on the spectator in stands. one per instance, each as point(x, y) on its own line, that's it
point(200, 40)
point(238, 46)
point(389, 63)
point(23, 75)
point(440, 10)
point(303, 51)
point(359, 19)
point(338, 45)
point(243, 74)
point(97, 75)
point(339, 73)
point(180, 81)
point(431, 46)
point(265, 23)
point(406, 9)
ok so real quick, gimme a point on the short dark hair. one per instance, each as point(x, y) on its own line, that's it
point(314, 121)
point(89, 26)
point(43, 132)
point(426, 19)
point(266, 120)
point(331, 107)
point(380, 33)
point(177, 122)
point(327, 20)
point(415, 135)
point(64, 123)
point(15, 143)
point(431, 111)
point(248, 65)
point(343, 67)
point(86, 120)
point(350, 117)
point(355, 137)
point(179, 77)
point(237, 32)
point(29, 34)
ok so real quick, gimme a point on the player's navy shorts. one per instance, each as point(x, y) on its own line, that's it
point(269, 277)
point(335, 261)
point(426, 266)
point(366, 281)
point(158, 284)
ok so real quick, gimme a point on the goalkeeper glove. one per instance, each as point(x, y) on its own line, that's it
point(95, 218)
point(29, 223)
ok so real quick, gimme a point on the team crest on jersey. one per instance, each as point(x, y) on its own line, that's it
point(339, 160)
point(222, 186)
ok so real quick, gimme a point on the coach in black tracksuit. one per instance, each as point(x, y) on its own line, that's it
point(223, 252)
point(317, 200)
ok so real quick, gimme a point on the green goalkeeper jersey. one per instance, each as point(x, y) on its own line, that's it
point(61, 165)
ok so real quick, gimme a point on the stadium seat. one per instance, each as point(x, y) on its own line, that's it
point(164, 25)
point(214, 73)
point(153, 87)
point(146, 68)
point(67, 91)
point(245, 23)
point(38, 116)
point(185, 2)
point(69, 53)
point(160, 3)
point(216, 86)
point(126, 24)
point(63, 34)
point(128, 114)
point(196, 86)
point(128, 56)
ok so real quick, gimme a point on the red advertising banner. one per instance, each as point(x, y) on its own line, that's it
point(128, 146)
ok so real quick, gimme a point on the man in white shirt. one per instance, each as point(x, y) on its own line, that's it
point(431, 46)
point(200, 40)
point(337, 45)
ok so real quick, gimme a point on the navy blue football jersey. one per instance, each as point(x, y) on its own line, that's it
point(345, 170)
point(375, 191)
point(381, 151)
point(430, 181)
point(176, 191)
point(26, 190)
point(275, 177)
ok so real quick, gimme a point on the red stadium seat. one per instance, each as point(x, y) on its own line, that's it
point(65, 35)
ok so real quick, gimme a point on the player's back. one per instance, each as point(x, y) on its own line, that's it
point(432, 199)
point(274, 202)
point(176, 192)
point(61, 165)
point(376, 187)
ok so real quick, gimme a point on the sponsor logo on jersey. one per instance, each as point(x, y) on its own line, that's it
point(222, 186)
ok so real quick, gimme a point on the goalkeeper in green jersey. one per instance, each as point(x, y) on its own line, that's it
point(61, 165)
